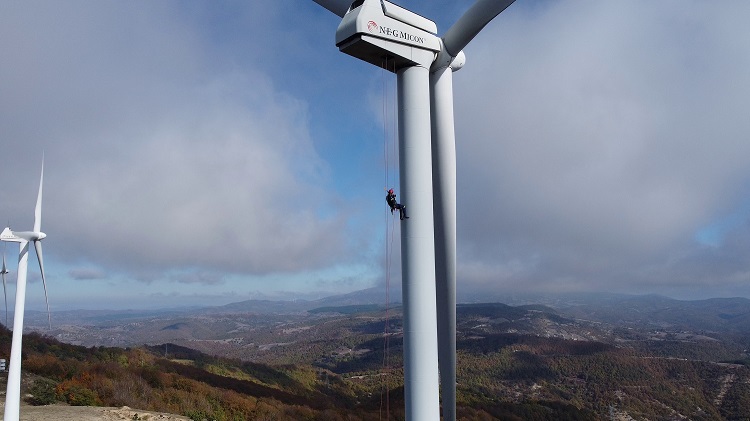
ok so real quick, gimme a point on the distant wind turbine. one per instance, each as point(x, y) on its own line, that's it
point(4, 272)
point(13, 390)
point(377, 31)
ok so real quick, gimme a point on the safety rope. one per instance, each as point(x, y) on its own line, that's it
point(388, 240)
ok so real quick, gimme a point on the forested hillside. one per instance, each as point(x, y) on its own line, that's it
point(344, 367)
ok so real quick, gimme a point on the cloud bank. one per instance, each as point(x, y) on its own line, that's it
point(596, 139)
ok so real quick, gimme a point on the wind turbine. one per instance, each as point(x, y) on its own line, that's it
point(373, 31)
point(4, 272)
point(23, 238)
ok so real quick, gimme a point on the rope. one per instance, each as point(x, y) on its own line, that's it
point(389, 229)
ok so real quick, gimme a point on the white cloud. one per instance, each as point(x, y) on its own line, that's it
point(601, 136)
point(161, 151)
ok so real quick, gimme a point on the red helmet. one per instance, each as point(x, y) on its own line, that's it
point(390, 191)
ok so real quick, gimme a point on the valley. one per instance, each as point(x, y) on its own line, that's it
point(627, 358)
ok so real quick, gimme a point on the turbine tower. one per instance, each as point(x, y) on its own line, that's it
point(13, 390)
point(373, 31)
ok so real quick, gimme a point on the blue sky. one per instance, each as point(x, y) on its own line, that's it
point(201, 153)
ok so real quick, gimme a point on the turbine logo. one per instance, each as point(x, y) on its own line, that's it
point(393, 33)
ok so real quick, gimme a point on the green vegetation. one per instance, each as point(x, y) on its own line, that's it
point(42, 392)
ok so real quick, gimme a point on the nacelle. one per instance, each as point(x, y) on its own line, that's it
point(20, 236)
point(376, 31)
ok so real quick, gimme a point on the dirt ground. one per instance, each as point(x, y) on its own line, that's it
point(89, 413)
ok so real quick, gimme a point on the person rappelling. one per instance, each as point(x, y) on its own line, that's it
point(391, 200)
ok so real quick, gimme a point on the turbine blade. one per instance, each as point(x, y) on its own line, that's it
point(5, 293)
point(469, 25)
point(339, 7)
point(38, 248)
point(38, 209)
point(444, 210)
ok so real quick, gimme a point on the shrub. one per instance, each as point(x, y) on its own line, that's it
point(76, 394)
point(42, 392)
point(196, 415)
